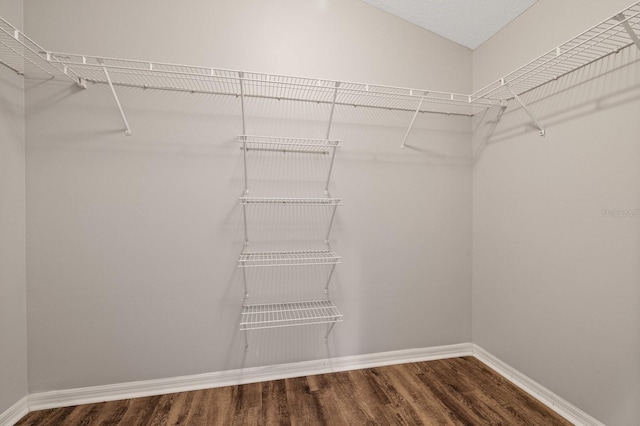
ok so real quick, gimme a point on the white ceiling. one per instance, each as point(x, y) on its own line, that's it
point(467, 22)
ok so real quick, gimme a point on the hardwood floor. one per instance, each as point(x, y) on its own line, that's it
point(457, 391)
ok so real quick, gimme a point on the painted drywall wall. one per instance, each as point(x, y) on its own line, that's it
point(133, 241)
point(556, 224)
point(13, 285)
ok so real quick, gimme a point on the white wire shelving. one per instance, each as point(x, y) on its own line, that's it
point(198, 79)
point(329, 202)
point(288, 258)
point(287, 314)
point(24, 56)
point(606, 38)
point(287, 144)
point(620, 31)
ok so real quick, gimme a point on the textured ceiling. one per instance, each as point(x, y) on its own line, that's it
point(467, 22)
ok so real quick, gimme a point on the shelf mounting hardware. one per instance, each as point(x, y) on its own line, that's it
point(333, 152)
point(413, 120)
point(524, 107)
point(625, 23)
point(127, 130)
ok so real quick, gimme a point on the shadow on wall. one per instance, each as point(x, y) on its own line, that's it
point(607, 83)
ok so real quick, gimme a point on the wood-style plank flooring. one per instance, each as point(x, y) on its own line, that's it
point(457, 391)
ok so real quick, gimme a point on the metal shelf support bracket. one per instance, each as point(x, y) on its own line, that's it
point(329, 328)
point(127, 130)
point(244, 132)
point(333, 215)
point(413, 120)
point(333, 152)
point(525, 108)
point(625, 23)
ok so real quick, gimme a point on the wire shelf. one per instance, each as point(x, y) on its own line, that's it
point(289, 314)
point(608, 37)
point(283, 144)
point(288, 258)
point(291, 201)
point(22, 55)
point(197, 79)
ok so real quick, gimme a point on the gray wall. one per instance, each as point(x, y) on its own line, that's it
point(133, 241)
point(555, 276)
point(13, 291)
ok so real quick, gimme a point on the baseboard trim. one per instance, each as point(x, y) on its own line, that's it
point(87, 395)
point(536, 390)
point(14, 413)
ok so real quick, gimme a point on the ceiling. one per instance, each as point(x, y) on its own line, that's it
point(466, 22)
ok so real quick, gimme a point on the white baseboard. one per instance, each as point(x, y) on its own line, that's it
point(536, 390)
point(69, 397)
point(14, 413)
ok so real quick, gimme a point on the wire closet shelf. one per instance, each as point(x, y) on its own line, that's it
point(285, 144)
point(276, 315)
point(606, 38)
point(21, 54)
point(207, 80)
point(329, 202)
point(288, 258)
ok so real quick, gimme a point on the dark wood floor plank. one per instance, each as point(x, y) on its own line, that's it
point(275, 410)
point(181, 407)
point(521, 406)
point(450, 388)
point(304, 408)
point(400, 400)
point(139, 411)
point(113, 413)
point(457, 391)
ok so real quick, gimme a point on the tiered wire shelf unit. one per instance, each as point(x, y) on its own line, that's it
point(22, 55)
point(287, 314)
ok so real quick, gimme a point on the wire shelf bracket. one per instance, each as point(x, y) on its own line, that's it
point(625, 23)
point(526, 109)
point(127, 129)
point(413, 120)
